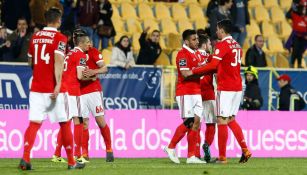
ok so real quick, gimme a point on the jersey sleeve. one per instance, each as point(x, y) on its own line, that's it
point(97, 56)
point(220, 51)
point(61, 45)
point(81, 60)
point(182, 61)
point(31, 49)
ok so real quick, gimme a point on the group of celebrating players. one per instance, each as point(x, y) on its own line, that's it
point(65, 87)
point(198, 70)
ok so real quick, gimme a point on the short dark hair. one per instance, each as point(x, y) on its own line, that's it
point(202, 39)
point(201, 32)
point(155, 31)
point(223, 2)
point(256, 37)
point(22, 18)
point(52, 15)
point(187, 33)
point(226, 25)
point(78, 36)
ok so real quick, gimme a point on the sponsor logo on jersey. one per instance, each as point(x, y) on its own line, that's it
point(183, 62)
point(62, 46)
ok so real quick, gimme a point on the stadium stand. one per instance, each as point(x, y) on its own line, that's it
point(163, 60)
point(178, 12)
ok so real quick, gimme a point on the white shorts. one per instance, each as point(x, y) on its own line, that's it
point(209, 112)
point(190, 105)
point(42, 106)
point(228, 103)
point(92, 103)
point(74, 106)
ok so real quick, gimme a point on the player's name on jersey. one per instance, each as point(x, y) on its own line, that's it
point(234, 46)
point(45, 33)
point(43, 40)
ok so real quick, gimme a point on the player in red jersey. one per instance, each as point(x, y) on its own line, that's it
point(208, 97)
point(46, 54)
point(74, 65)
point(188, 98)
point(226, 61)
point(92, 102)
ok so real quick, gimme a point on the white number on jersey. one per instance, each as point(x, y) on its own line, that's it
point(237, 57)
point(43, 56)
point(65, 63)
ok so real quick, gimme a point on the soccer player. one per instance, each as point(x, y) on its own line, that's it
point(208, 97)
point(46, 54)
point(92, 102)
point(226, 61)
point(76, 64)
point(188, 98)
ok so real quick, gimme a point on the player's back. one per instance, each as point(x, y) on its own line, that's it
point(94, 57)
point(187, 59)
point(228, 71)
point(43, 46)
point(75, 58)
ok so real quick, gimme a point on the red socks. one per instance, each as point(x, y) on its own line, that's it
point(105, 132)
point(85, 140)
point(210, 132)
point(192, 141)
point(78, 130)
point(197, 151)
point(237, 132)
point(222, 140)
point(67, 139)
point(59, 144)
point(29, 139)
point(179, 134)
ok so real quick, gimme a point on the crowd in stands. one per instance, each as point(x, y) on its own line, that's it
point(122, 28)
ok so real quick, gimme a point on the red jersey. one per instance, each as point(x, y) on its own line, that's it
point(187, 59)
point(42, 48)
point(206, 81)
point(299, 23)
point(229, 52)
point(74, 59)
point(93, 58)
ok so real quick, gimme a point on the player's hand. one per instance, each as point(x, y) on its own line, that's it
point(89, 72)
point(56, 92)
point(8, 44)
point(186, 73)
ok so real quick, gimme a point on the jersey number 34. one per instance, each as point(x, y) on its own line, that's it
point(237, 57)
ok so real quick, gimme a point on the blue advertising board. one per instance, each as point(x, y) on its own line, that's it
point(137, 88)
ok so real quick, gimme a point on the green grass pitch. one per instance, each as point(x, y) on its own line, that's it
point(257, 166)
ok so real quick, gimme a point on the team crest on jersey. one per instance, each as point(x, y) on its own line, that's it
point(183, 62)
point(62, 46)
point(83, 61)
point(217, 51)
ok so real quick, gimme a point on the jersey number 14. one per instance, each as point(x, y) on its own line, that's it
point(43, 56)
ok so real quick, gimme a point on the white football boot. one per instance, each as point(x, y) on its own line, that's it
point(194, 160)
point(171, 153)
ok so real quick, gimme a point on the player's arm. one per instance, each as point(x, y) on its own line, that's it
point(30, 54)
point(80, 75)
point(59, 56)
point(206, 69)
point(58, 71)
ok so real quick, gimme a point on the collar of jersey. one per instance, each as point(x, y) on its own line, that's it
point(50, 28)
point(189, 49)
point(227, 37)
point(78, 48)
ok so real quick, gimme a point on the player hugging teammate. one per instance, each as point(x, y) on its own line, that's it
point(225, 62)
